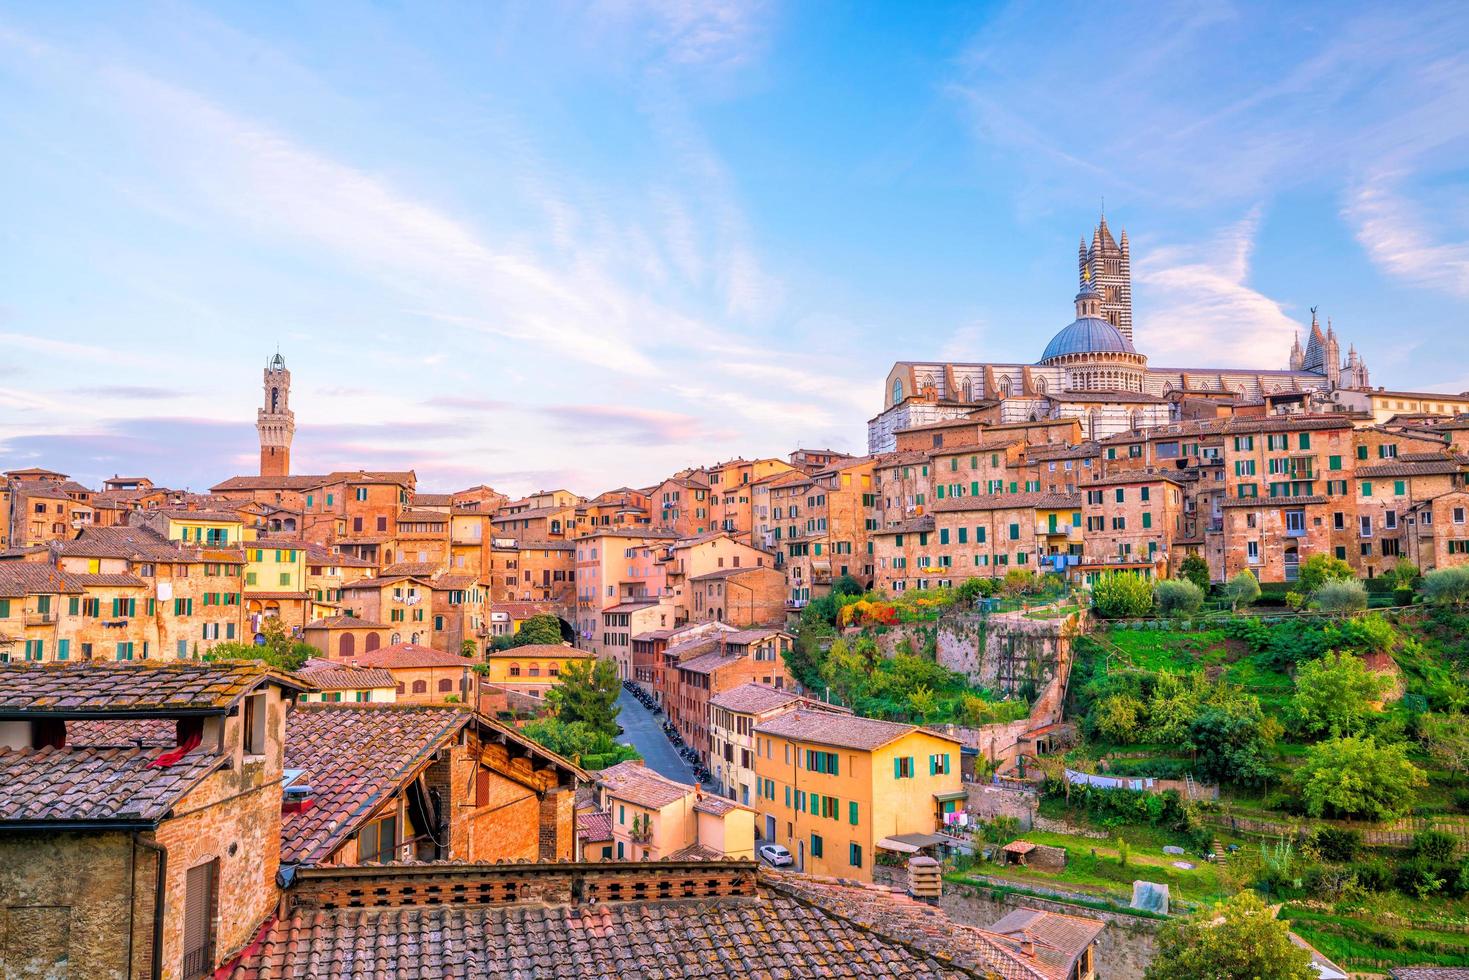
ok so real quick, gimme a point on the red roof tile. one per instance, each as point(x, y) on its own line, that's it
point(86, 784)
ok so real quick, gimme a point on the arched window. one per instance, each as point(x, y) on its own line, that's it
point(968, 390)
point(515, 670)
point(1004, 386)
point(420, 687)
point(414, 638)
point(897, 390)
point(275, 400)
point(396, 638)
point(446, 686)
point(400, 687)
point(346, 645)
point(373, 642)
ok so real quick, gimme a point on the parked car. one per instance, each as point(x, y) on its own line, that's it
point(776, 855)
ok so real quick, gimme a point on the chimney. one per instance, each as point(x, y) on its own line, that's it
point(925, 879)
point(1027, 947)
point(296, 795)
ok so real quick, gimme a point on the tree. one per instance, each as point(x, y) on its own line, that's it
point(468, 648)
point(846, 585)
point(587, 693)
point(1340, 595)
point(976, 588)
point(1231, 738)
point(280, 650)
point(1242, 590)
point(845, 670)
point(577, 742)
point(1195, 568)
point(541, 628)
point(1356, 777)
point(923, 702)
point(1116, 718)
point(1446, 737)
point(1321, 568)
point(1405, 574)
point(1447, 586)
point(1334, 694)
point(1119, 594)
point(1236, 940)
point(1178, 597)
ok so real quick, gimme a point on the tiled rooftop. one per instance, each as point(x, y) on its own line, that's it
point(636, 783)
point(122, 732)
point(825, 728)
point(83, 687)
point(753, 699)
point(594, 826)
point(793, 933)
point(345, 622)
point(87, 784)
point(353, 754)
point(330, 675)
point(403, 655)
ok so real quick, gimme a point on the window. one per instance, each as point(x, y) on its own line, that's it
point(903, 767)
point(377, 842)
point(854, 855)
point(254, 724)
point(1252, 550)
point(201, 908)
point(446, 686)
point(816, 845)
point(938, 765)
point(1333, 462)
point(852, 812)
point(1366, 489)
point(1366, 525)
point(420, 687)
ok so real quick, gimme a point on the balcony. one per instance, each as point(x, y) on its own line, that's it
point(40, 618)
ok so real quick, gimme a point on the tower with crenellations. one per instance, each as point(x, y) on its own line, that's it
point(275, 421)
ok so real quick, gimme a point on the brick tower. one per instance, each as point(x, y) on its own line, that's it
point(275, 421)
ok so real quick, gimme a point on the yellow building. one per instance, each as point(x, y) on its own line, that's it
point(520, 677)
point(202, 528)
point(836, 788)
point(275, 585)
point(653, 818)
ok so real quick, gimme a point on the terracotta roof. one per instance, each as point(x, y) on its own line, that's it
point(331, 676)
point(793, 930)
point(636, 783)
point(1129, 476)
point(23, 578)
point(432, 499)
point(525, 610)
point(402, 655)
point(533, 650)
point(102, 688)
point(913, 525)
point(354, 756)
point(753, 699)
point(1272, 501)
point(1007, 501)
point(423, 517)
point(95, 784)
point(846, 731)
point(631, 605)
point(299, 482)
point(754, 634)
point(125, 541)
point(708, 663)
point(1411, 468)
point(594, 827)
point(717, 805)
point(723, 573)
point(1048, 451)
point(122, 732)
point(418, 569)
point(107, 581)
point(345, 622)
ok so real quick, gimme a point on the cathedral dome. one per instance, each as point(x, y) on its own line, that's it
point(1087, 335)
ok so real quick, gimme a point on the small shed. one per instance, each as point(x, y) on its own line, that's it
point(1017, 852)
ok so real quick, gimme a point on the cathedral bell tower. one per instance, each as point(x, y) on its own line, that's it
point(275, 421)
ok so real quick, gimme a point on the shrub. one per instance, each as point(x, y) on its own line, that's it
point(977, 588)
point(1334, 694)
point(1340, 595)
point(1178, 597)
point(1335, 844)
point(1373, 875)
point(1119, 594)
point(1447, 586)
point(1243, 589)
point(1434, 845)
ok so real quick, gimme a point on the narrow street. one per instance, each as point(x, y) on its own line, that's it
point(644, 730)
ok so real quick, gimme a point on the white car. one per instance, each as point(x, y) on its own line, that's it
point(776, 855)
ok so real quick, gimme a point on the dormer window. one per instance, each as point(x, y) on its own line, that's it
point(253, 724)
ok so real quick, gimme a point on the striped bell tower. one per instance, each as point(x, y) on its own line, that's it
point(1107, 263)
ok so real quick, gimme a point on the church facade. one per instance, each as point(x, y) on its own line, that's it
point(1091, 371)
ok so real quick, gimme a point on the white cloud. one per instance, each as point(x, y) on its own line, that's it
point(1398, 238)
point(1201, 309)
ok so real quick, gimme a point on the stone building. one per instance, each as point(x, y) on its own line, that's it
point(140, 834)
point(1091, 370)
point(275, 422)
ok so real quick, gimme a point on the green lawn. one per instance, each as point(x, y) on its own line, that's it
point(1092, 868)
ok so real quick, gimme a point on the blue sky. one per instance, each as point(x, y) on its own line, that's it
point(538, 244)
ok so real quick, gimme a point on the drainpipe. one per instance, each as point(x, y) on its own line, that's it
point(160, 886)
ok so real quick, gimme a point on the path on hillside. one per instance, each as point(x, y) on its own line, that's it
point(644, 730)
